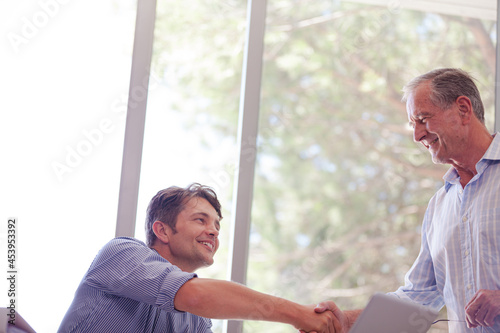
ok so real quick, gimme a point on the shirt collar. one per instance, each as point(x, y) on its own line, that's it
point(492, 155)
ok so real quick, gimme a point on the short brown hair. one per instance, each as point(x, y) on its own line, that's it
point(166, 205)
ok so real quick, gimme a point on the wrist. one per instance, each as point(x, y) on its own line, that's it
point(292, 313)
point(351, 316)
point(349, 320)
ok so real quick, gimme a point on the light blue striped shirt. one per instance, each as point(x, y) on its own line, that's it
point(460, 251)
point(130, 288)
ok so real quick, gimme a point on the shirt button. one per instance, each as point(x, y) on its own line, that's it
point(464, 218)
point(460, 191)
point(469, 287)
point(466, 253)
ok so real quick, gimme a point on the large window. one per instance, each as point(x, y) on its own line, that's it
point(65, 75)
point(192, 113)
point(341, 188)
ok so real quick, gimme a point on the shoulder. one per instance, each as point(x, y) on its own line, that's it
point(123, 253)
point(125, 242)
point(440, 196)
point(440, 202)
point(123, 247)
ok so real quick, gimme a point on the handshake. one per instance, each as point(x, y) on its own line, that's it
point(326, 317)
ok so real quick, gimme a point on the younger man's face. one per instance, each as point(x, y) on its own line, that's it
point(196, 241)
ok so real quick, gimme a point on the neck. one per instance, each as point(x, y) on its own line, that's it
point(164, 251)
point(472, 153)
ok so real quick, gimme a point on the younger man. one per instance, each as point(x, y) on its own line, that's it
point(134, 287)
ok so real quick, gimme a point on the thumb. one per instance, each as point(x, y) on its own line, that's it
point(320, 308)
point(325, 306)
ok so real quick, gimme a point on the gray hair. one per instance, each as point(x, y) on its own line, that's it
point(446, 85)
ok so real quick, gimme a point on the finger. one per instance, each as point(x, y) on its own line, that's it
point(320, 308)
point(469, 323)
point(480, 315)
point(338, 313)
point(324, 306)
point(489, 320)
point(337, 325)
point(327, 322)
point(473, 306)
point(479, 318)
point(329, 306)
point(471, 313)
point(471, 302)
point(471, 320)
point(331, 327)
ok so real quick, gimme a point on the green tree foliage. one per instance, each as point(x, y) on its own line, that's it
point(340, 188)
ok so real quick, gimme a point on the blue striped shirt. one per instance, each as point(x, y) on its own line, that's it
point(460, 251)
point(130, 288)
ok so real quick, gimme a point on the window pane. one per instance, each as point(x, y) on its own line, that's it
point(340, 187)
point(192, 114)
point(65, 76)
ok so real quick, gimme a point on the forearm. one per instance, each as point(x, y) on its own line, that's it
point(219, 299)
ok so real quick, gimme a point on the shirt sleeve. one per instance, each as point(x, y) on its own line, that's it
point(420, 281)
point(126, 267)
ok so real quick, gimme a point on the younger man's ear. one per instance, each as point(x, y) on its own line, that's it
point(161, 231)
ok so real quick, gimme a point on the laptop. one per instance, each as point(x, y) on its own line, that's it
point(390, 314)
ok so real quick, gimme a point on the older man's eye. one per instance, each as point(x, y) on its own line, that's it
point(420, 120)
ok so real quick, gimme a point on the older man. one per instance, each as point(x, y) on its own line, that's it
point(459, 261)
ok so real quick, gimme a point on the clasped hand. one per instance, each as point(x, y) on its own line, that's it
point(332, 318)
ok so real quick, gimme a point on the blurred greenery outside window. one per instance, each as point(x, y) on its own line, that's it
point(340, 187)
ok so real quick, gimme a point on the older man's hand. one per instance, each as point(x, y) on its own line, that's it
point(483, 308)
